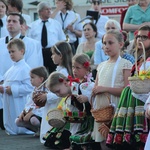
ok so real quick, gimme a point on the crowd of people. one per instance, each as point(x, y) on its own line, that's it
point(76, 66)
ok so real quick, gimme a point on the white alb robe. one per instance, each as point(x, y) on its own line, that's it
point(18, 78)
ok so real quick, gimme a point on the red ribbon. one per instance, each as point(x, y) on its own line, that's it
point(73, 80)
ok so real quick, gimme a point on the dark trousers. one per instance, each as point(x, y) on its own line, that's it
point(1, 120)
point(73, 48)
point(48, 62)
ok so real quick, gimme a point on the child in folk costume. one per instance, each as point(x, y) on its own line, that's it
point(82, 70)
point(75, 93)
point(62, 57)
point(31, 116)
point(16, 87)
point(147, 113)
point(143, 97)
point(112, 77)
point(129, 128)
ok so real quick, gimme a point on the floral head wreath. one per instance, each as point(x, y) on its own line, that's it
point(86, 64)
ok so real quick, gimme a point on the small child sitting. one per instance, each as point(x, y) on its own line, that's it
point(30, 117)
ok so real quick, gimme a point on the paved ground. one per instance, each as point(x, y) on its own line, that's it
point(20, 142)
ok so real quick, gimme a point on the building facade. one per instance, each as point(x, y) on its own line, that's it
point(111, 8)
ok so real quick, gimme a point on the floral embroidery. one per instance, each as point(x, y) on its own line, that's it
point(74, 88)
point(137, 138)
point(118, 138)
point(143, 138)
point(109, 138)
point(127, 137)
point(85, 85)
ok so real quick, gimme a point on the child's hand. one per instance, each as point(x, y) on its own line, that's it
point(147, 112)
point(21, 116)
point(70, 27)
point(42, 97)
point(98, 89)
point(81, 98)
point(1, 89)
point(8, 90)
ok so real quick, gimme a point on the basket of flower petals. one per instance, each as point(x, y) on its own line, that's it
point(140, 82)
point(75, 116)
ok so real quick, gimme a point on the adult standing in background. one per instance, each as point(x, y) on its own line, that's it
point(69, 21)
point(88, 47)
point(32, 57)
point(137, 16)
point(100, 23)
point(3, 9)
point(129, 3)
point(96, 6)
point(17, 6)
point(48, 31)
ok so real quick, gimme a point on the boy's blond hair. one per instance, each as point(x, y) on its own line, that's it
point(18, 42)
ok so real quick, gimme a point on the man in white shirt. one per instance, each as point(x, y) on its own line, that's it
point(100, 22)
point(3, 9)
point(69, 21)
point(17, 6)
point(33, 55)
point(54, 33)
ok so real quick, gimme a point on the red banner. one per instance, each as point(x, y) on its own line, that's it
point(115, 10)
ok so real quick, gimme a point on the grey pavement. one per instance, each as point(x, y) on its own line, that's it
point(20, 142)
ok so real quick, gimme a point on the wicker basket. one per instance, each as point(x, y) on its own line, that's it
point(56, 118)
point(138, 85)
point(75, 116)
point(104, 114)
point(104, 130)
